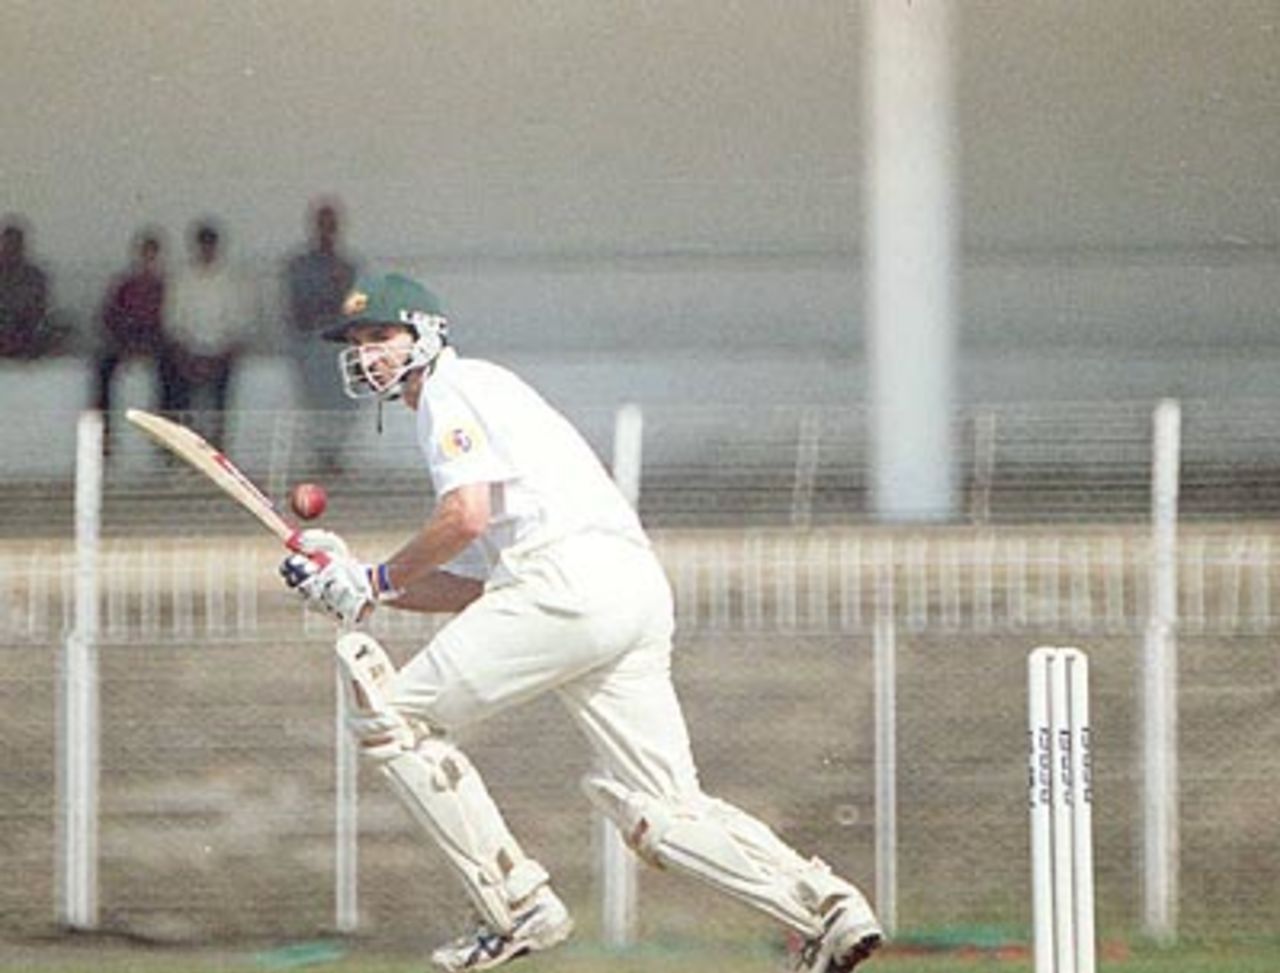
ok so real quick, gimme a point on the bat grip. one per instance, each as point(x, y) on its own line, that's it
point(294, 543)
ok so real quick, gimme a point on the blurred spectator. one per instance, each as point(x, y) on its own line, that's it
point(206, 316)
point(24, 297)
point(133, 325)
point(317, 279)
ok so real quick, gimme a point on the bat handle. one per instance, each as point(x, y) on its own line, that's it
point(294, 543)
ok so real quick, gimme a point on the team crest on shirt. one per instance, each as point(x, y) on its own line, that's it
point(458, 441)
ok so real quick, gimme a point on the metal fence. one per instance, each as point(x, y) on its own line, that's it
point(815, 648)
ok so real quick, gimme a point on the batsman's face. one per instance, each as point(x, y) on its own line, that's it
point(376, 359)
point(384, 352)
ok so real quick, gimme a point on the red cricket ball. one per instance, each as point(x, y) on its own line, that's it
point(308, 500)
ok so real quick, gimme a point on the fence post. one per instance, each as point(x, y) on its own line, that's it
point(617, 865)
point(808, 451)
point(886, 739)
point(78, 729)
point(1160, 687)
point(346, 892)
point(984, 465)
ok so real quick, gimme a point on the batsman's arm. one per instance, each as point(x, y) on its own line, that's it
point(459, 518)
point(438, 591)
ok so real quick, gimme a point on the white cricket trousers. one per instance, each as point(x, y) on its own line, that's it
point(589, 617)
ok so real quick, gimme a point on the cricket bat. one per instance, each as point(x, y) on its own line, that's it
point(197, 451)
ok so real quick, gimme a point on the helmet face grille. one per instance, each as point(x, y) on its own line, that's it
point(359, 378)
point(379, 370)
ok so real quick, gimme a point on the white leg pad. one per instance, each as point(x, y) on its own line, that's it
point(445, 795)
point(725, 848)
point(366, 669)
point(439, 786)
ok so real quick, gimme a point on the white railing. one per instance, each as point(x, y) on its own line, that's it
point(732, 580)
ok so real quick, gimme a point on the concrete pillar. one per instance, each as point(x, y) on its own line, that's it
point(910, 259)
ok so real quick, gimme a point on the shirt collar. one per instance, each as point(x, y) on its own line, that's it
point(446, 357)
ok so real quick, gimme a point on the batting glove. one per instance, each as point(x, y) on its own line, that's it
point(315, 540)
point(338, 586)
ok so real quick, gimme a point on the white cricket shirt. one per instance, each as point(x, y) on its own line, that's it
point(479, 423)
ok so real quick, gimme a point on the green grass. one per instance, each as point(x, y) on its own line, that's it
point(1262, 956)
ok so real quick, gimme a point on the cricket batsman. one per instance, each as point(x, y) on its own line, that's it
point(555, 589)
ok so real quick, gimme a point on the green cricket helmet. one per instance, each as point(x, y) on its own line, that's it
point(388, 299)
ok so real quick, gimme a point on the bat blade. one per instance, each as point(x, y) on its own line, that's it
point(199, 453)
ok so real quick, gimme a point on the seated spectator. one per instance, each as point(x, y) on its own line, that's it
point(133, 326)
point(206, 315)
point(24, 297)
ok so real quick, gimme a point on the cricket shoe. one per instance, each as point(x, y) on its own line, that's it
point(850, 934)
point(543, 923)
